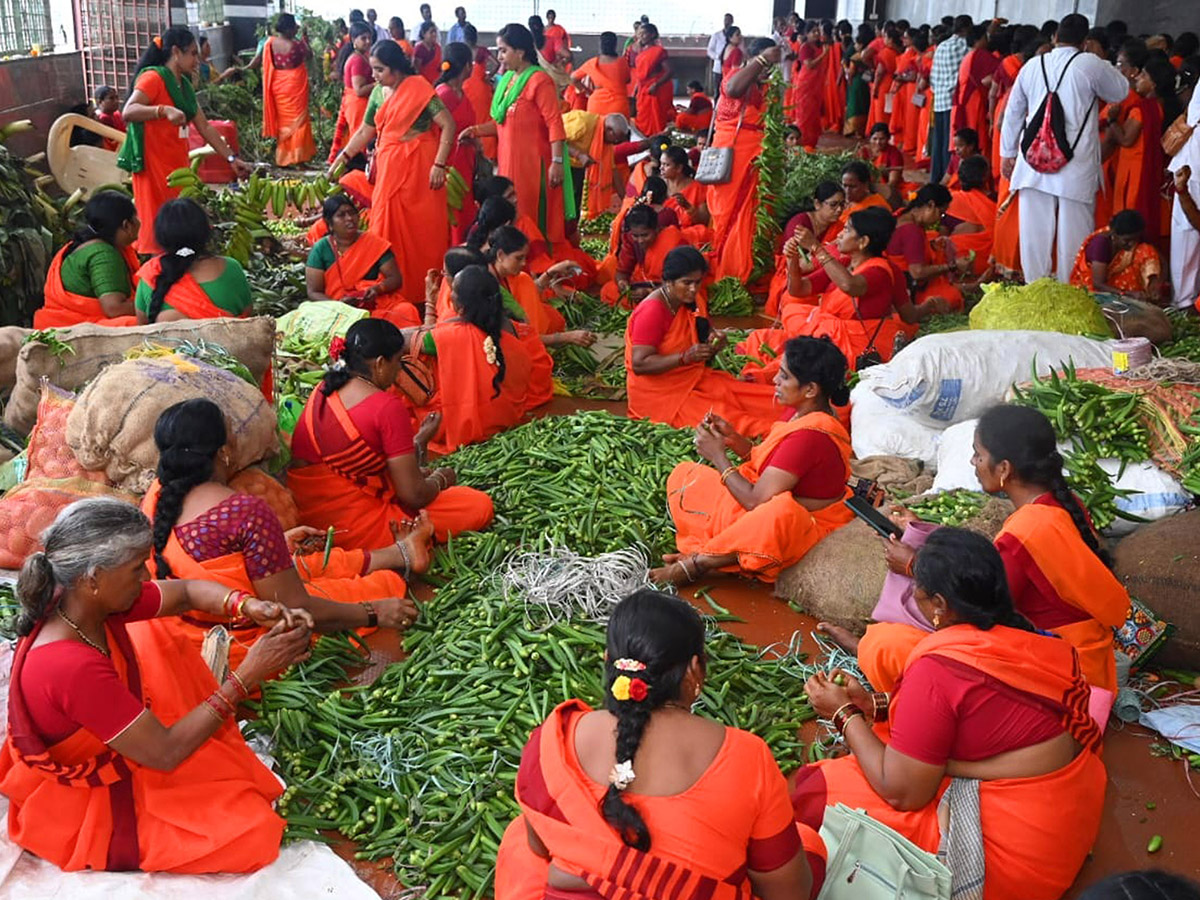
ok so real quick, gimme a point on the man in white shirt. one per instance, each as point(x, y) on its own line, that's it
point(1059, 206)
point(381, 33)
point(716, 46)
point(426, 16)
point(456, 35)
point(1185, 238)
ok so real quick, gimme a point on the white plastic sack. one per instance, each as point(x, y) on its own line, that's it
point(954, 469)
point(876, 429)
point(942, 379)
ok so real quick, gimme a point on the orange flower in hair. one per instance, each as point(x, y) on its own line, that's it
point(158, 41)
point(446, 65)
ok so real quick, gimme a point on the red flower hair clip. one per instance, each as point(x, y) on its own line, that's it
point(336, 348)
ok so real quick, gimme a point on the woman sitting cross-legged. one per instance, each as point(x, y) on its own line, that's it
point(186, 281)
point(1118, 260)
point(91, 278)
point(203, 529)
point(122, 752)
point(989, 728)
point(668, 378)
point(355, 461)
point(356, 267)
point(643, 799)
point(764, 515)
point(641, 252)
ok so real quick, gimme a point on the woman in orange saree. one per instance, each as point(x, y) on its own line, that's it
point(285, 93)
point(1024, 802)
point(833, 106)
point(764, 515)
point(732, 205)
point(917, 248)
point(451, 91)
point(667, 376)
point(97, 282)
point(976, 73)
point(808, 80)
point(1116, 260)
point(860, 195)
point(357, 83)
point(427, 54)
point(527, 119)
point(122, 753)
point(828, 201)
point(204, 529)
point(356, 267)
point(652, 76)
point(156, 114)
point(691, 827)
point(975, 211)
point(1140, 164)
point(908, 65)
point(414, 135)
point(925, 113)
point(883, 63)
point(478, 89)
point(356, 468)
point(640, 256)
point(605, 79)
point(492, 370)
point(1058, 575)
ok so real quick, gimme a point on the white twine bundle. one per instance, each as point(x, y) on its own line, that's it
point(562, 585)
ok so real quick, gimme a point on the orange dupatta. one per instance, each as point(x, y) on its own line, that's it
point(733, 205)
point(186, 296)
point(872, 199)
point(347, 274)
point(599, 175)
point(651, 266)
point(610, 86)
point(980, 209)
point(770, 537)
point(1045, 538)
point(285, 110)
point(62, 309)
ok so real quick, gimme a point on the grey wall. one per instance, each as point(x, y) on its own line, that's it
point(1143, 16)
point(40, 88)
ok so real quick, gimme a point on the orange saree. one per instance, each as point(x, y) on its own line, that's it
point(540, 316)
point(907, 63)
point(682, 396)
point(479, 92)
point(342, 579)
point(347, 278)
point(285, 110)
point(470, 411)
point(733, 205)
point(882, 101)
point(351, 490)
point(655, 108)
point(610, 86)
point(925, 113)
point(533, 122)
point(940, 285)
point(81, 805)
point(62, 309)
point(773, 535)
point(185, 296)
point(704, 839)
point(1036, 831)
point(412, 218)
point(650, 268)
point(164, 151)
point(1129, 272)
point(872, 199)
point(977, 208)
point(599, 176)
point(833, 110)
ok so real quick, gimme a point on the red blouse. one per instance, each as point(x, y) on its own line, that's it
point(68, 685)
point(382, 419)
point(814, 459)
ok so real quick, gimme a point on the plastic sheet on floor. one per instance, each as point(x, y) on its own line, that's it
point(1178, 723)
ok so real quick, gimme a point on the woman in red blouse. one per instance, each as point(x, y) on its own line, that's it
point(427, 55)
point(918, 248)
point(122, 752)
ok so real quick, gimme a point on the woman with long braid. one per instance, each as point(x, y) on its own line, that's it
point(186, 281)
point(1059, 575)
point(487, 358)
point(204, 529)
point(643, 799)
point(991, 756)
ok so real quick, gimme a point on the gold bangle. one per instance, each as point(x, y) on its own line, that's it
point(225, 610)
point(240, 683)
point(212, 711)
point(732, 470)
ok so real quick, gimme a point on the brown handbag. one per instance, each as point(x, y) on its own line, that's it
point(1178, 134)
point(416, 379)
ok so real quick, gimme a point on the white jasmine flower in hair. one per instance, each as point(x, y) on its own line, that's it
point(185, 252)
point(489, 350)
point(622, 775)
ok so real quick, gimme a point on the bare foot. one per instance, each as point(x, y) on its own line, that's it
point(843, 637)
point(417, 542)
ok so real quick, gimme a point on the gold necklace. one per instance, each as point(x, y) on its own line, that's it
point(83, 637)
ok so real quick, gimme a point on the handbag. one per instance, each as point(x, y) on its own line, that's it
point(869, 861)
point(871, 356)
point(1178, 134)
point(415, 379)
point(716, 163)
point(918, 99)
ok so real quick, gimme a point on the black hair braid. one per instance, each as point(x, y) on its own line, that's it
point(35, 590)
point(173, 268)
point(479, 303)
point(632, 719)
point(179, 470)
point(1052, 476)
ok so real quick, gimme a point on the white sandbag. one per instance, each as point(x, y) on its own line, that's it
point(877, 429)
point(955, 449)
point(1157, 494)
point(942, 379)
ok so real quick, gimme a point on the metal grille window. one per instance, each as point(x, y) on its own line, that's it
point(25, 26)
point(211, 12)
point(113, 34)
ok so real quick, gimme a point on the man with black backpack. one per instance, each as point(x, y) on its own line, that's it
point(1050, 147)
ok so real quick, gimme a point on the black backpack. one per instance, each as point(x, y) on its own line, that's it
point(1044, 141)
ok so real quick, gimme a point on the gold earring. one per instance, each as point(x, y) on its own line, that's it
point(937, 621)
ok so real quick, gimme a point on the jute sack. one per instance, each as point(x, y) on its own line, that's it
point(250, 340)
point(112, 424)
point(1160, 565)
point(839, 580)
point(11, 338)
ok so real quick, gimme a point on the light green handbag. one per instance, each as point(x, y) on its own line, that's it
point(869, 861)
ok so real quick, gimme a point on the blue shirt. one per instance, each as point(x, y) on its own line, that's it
point(455, 34)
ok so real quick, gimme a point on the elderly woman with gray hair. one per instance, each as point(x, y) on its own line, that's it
point(122, 751)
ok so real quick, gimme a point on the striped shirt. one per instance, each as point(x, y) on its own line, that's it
point(943, 77)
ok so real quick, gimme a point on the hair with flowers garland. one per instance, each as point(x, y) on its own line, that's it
point(652, 639)
point(368, 339)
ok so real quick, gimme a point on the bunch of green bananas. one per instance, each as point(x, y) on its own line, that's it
point(18, 127)
point(456, 192)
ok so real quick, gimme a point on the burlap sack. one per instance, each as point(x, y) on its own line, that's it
point(1160, 565)
point(839, 580)
point(893, 473)
point(1129, 318)
point(11, 338)
point(251, 340)
point(112, 425)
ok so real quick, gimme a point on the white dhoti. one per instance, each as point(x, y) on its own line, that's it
point(1052, 224)
point(1185, 259)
